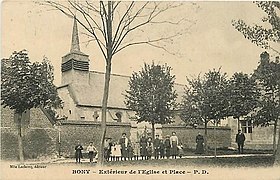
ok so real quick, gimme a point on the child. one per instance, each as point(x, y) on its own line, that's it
point(117, 152)
point(161, 149)
point(181, 150)
point(113, 152)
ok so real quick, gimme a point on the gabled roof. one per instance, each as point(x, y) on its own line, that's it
point(91, 94)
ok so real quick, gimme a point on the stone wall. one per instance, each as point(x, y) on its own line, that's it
point(87, 131)
point(39, 136)
point(187, 135)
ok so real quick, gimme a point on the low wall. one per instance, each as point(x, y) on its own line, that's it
point(87, 131)
point(187, 135)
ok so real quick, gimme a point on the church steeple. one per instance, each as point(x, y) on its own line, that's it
point(75, 64)
point(75, 45)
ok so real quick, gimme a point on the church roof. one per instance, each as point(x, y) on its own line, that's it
point(91, 94)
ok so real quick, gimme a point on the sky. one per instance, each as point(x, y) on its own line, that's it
point(211, 43)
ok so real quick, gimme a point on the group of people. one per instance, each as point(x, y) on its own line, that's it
point(145, 148)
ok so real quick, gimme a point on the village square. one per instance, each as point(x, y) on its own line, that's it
point(151, 84)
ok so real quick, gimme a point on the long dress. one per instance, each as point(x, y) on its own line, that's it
point(167, 146)
point(143, 146)
point(149, 149)
point(199, 144)
point(174, 145)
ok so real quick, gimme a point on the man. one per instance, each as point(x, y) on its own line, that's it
point(240, 138)
point(78, 152)
point(156, 146)
point(124, 146)
point(91, 152)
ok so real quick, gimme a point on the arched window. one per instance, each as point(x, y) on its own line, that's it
point(119, 116)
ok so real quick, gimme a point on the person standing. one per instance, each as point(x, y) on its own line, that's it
point(240, 139)
point(149, 148)
point(174, 145)
point(180, 150)
point(78, 152)
point(117, 151)
point(136, 150)
point(167, 146)
point(161, 149)
point(156, 146)
point(143, 147)
point(124, 146)
point(92, 151)
point(107, 148)
point(199, 144)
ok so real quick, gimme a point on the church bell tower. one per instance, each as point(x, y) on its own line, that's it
point(75, 64)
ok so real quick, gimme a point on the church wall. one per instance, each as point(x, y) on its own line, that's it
point(94, 114)
point(187, 135)
point(39, 136)
point(68, 104)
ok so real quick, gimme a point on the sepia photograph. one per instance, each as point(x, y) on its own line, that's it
point(140, 90)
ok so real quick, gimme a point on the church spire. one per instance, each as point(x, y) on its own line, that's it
point(75, 46)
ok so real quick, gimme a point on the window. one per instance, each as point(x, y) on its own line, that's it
point(70, 111)
point(119, 116)
point(247, 126)
point(95, 115)
point(83, 118)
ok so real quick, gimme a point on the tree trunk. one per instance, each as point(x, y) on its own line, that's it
point(103, 115)
point(274, 136)
point(107, 83)
point(20, 144)
point(238, 123)
point(215, 139)
point(277, 154)
point(205, 136)
point(153, 131)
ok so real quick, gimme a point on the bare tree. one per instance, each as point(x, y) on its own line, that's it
point(111, 25)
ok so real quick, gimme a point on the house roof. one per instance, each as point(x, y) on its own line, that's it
point(91, 94)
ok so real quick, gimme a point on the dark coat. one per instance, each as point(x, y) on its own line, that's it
point(78, 150)
point(143, 146)
point(240, 138)
point(156, 143)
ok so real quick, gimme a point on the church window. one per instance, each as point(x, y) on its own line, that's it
point(247, 126)
point(70, 111)
point(83, 118)
point(95, 115)
point(119, 116)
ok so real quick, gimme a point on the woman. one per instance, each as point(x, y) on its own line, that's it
point(174, 145)
point(199, 144)
point(143, 147)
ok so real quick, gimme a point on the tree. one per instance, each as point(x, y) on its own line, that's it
point(244, 94)
point(205, 100)
point(151, 95)
point(268, 76)
point(113, 26)
point(26, 85)
point(258, 34)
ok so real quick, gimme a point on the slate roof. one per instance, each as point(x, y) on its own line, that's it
point(91, 94)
